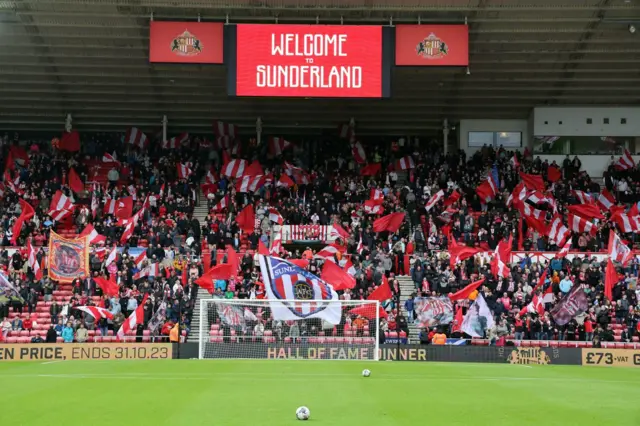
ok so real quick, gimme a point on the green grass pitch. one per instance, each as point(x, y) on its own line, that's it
point(267, 393)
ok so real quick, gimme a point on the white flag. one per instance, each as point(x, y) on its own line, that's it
point(478, 318)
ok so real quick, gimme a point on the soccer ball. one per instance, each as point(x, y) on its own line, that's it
point(303, 413)
point(366, 373)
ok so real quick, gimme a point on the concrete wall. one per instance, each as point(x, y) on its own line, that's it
point(595, 165)
point(573, 121)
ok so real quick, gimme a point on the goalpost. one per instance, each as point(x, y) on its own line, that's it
point(248, 329)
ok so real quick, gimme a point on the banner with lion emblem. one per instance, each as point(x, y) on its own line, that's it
point(68, 258)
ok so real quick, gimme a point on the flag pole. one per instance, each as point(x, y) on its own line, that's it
point(398, 323)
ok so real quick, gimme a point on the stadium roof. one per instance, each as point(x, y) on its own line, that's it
point(90, 58)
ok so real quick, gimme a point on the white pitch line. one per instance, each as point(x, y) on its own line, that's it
point(51, 362)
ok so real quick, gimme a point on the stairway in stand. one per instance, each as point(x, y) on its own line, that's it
point(195, 320)
point(406, 288)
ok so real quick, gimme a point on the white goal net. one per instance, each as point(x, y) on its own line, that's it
point(258, 329)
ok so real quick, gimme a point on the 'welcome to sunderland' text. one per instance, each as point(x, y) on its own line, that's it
point(305, 76)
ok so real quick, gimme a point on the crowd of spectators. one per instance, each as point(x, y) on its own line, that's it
point(331, 191)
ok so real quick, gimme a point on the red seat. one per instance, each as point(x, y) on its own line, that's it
point(525, 343)
point(563, 344)
point(629, 346)
point(12, 340)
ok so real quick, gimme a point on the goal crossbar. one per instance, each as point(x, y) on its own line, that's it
point(289, 329)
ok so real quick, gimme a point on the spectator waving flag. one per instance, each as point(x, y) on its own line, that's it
point(553, 173)
point(277, 146)
point(358, 152)
point(223, 204)
point(625, 162)
point(618, 250)
point(27, 212)
point(285, 181)
point(514, 161)
point(557, 232)
point(532, 181)
point(478, 318)
point(94, 237)
point(32, 260)
point(606, 200)
point(246, 219)
point(405, 163)
point(110, 158)
point(136, 138)
point(274, 216)
point(183, 171)
point(234, 168)
point(108, 287)
point(295, 294)
point(627, 223)
point(581, 225)
point(453, 198)
point(434, 200)
point(137, 317)
point(249, 183)
point(371, 169)
point(176, 141)
point(583, 197)
point(330, 251)
point(96, 312)
point(488, 189)
point(588, 211)
point(225, 129)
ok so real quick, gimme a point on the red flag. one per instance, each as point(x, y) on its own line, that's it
point(369, 311)
point(232, 259)
point(390, 222)
point(457, 320)
point(302, 263)
point(75, 183)
point(465, 292)
point(554, 174)
point(587, 211)
point(246, 219)
point(124, 207)
point(219, 272)
point(262, 249)
point(26, 214)
point(70, 141)
point(334, 275)
point(137, 317)
point(370, 169)
point(185, 277)
point(383, 292)
point(455, 196)
point(532, 181)
point(109, 288)
point(285, 181)
point(520, 234)
point(541, 281)
point(610, 280)
point(460, 252)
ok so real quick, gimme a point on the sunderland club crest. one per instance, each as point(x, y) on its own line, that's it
point(432, 47)
point(186, 44)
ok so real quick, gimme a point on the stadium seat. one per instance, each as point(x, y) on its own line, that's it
point(629, 346)
point(525, 343)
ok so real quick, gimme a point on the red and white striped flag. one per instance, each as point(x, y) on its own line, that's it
point(96, 312)
point(277, 146)
point(536, 306)
point(110, 158)
point(136, 138)
point(112, 256)
point(514, 161)
point(564, 250)
point(376, 194)
point(626, 223)
point(519, 194)
point(140, 259)
point(95, 203)
point(274, 216)
point(110, 205)
point(285, 181)
point(234, 168)
point(137, 317)
point(184, 171)
point(152, 270)
point(222, 204)
point(558, 233)
point(405, 163)
point(211, 178)
point(606, 200)
point(581, 225)
point(625, 162)
point(60, 207)
point(94, 237)
point(618, 250)
point(434, 200)
point(583, 197)
point(32, 260)
point(359, 155)
point(488, 189)
point(330, 251)
point(225, 129)
point(224, 142)
point(130, 224)
point(276, 244)
point(249, 183)
point(176, 141)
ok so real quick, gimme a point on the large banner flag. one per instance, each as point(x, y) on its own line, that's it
point(433, 311)
point(68, 258)
point(478, 319)
point(296, 294)
point(573, 304)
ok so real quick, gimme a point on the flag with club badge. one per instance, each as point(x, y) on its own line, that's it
point(296, 294)
point(433, 311)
